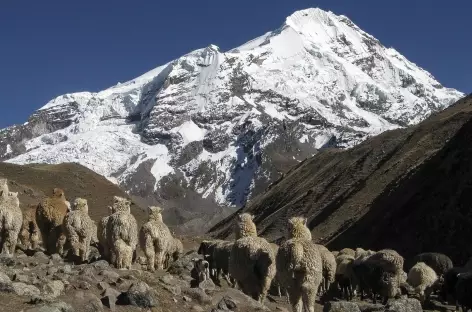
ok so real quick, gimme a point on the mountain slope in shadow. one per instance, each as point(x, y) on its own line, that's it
point(407, 189)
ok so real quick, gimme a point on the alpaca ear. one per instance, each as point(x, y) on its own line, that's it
point(305, 220)
point(15, 194)
point(252, 217)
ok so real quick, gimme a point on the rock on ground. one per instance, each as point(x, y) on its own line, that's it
point(139, 295)
point(22, 289)
point(109, 298)
point(234, 299)
point(54, 288)
point(341, 306)
point(5, 283)
point(197, 294)
point(404, 305)
point(88, 302)
point(53, 307)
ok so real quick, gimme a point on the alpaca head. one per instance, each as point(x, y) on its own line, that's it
point(297, 228)
point(121, 204)
point(58, 193)
point(245, 217)
point(80, 204)
point(155, 213)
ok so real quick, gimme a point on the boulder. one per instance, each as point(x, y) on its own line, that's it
point(139, 295)
point(56, 257)
point(52, 271)
point(22, 289)
point(7, 260)
point(101, 264)
point(197, 294)
point(109, 276)
point(234, 300)
point(88, 302)
point(5, 283)
point(21, 278)
point(109, 298)
point(41, 256)
point(87, 271)
point(226, 303)
point(207, 285)
point(52, 307)
point(341, 306)
point(67, 269)
point(103, 286)
point(404, 305)
point(54, 288)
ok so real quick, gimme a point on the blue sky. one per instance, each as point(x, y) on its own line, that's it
point(52, 47)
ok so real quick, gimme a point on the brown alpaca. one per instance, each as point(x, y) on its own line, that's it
point(29, 235)
point(49, 217)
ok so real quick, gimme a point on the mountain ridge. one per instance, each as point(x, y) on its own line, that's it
point(224, 125)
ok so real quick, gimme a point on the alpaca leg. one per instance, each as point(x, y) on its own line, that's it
point(113, 257)
point(24, 237)
point(9, 243)
point(308, 298)
point(83, 249)
point(74, 243)
point(294, 297)
point(61, 241)
point(149, 253)
point(160, 260)
point(128, 257)
point(51, 242)
point(118, 253)
point(265, 286)
point(87, 248)
point(119, 258)
point(14, 241)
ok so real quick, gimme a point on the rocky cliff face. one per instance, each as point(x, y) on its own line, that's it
point(215, 128)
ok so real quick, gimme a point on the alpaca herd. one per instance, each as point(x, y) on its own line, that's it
point(297, 268)
point(69, 231)
point(304, 270)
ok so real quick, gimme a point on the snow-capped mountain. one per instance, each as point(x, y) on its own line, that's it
point(223, 125)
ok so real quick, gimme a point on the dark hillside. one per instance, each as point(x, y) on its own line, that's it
point(408, 189)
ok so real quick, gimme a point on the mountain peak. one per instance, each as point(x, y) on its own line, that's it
point(219, 127)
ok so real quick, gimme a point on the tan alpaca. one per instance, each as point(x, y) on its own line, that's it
point(50, 217)
point(155, 239)
point(122, 234)
point(29, 235)
point(252, 260)
point(299, 266)
point(79, 229)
